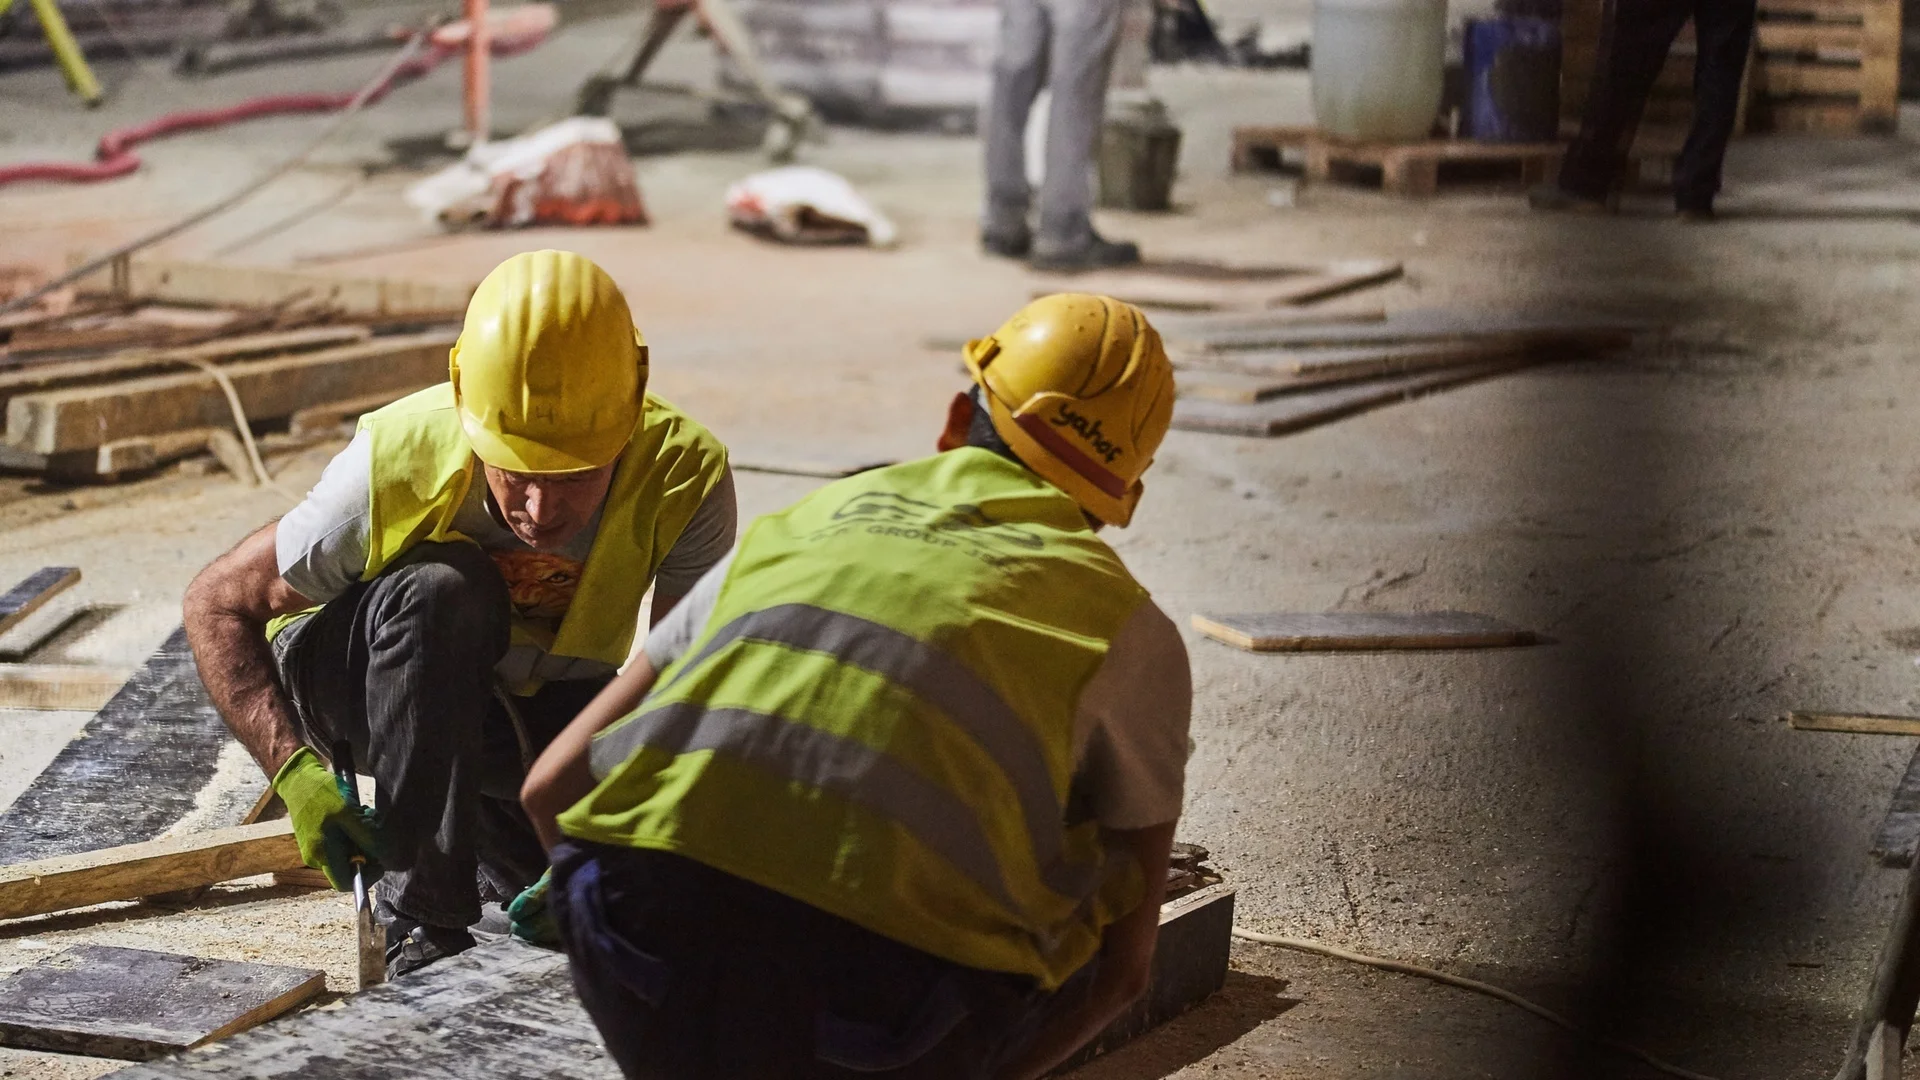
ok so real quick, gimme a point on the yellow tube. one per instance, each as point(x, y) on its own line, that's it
point(73, 62)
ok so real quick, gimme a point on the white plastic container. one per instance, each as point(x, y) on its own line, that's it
point(1378, 67)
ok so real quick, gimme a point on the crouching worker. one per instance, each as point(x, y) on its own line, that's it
point(900, 799)
point(463, 579)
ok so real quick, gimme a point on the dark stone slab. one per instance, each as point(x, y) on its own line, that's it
point(138, 1005)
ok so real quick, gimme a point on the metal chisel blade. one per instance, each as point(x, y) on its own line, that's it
point(371, 936)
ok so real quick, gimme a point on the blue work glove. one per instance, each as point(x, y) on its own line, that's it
point(530, 917)
point(329, 829)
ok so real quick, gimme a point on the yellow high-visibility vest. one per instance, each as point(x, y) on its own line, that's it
point(877, 719)
point(422, 467)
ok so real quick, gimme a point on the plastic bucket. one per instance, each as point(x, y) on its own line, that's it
point(1513, 80)
point(1378, 67)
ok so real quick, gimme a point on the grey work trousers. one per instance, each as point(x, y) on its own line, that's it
point(401, 667)
point(1066, 45)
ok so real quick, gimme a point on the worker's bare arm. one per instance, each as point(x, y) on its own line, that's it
point(561, 776)
point(226, 611)
point(1126, 961)
point(662, 603)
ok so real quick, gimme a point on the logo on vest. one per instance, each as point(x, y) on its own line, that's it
point(1089, 431)
point(963, 525)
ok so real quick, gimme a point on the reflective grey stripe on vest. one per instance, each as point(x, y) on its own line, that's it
point(936, 678)
point(935, 816)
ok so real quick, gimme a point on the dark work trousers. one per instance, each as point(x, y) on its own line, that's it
point(1635, 48)
point(693, 974)
point(402, 668)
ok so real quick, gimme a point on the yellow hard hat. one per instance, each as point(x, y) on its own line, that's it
point(1080, 387)
point(549, 374)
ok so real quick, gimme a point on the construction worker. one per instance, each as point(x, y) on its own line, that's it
point(892, 791)
point(461, 581)
point(1068, 47)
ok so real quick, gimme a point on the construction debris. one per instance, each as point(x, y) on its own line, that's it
point(132, 871)
point(575, 172)
point(1337, 631)
point(138, 1005)
point(801, 204)
point(1854, 723)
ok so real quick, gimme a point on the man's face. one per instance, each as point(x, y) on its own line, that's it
point(545, 512)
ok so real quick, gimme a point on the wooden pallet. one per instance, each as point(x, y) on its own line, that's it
point(1827, 66)
point(1408, 169)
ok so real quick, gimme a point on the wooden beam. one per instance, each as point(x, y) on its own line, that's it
point(222, 285)
point(155, 866)
point(33, 591)
point(1299, 411)
point(48, 375)
point(59, 686)
point(1205, 289)
point(1855, 723)
point(84, 417)
point(1361, 630)
point(1225, 333)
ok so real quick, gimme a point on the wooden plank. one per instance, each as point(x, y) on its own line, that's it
point(1813, 118)
point(59, 686)
point(1196, 336)
point(1838, 40)
point(1297, 412)
point(150, 754)
point(1855, 723)
point(508, 1011)
point(1187, 291)
point(1791, 78)
point(318, 419)
point(33, 591)
point(83, 417)
point(1880, 68)
point(223, 285)
point(1899, 832)
point(1337, 631)
point(47, 376)
point(1296, 368)
point(131, 871)
point(138, 1005)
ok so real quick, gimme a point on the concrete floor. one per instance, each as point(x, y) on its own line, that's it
point(1714, 528)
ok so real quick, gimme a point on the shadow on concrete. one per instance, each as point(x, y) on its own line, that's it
point(1246, 1002)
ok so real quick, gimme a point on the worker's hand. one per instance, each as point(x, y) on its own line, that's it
point(531, 918)
point(330, 830)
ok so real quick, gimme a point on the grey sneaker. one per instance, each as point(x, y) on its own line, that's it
point(411, 948)
point(1007, 243)
point(1095, 253)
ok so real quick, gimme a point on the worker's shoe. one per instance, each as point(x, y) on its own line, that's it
point(1553, 198)
point(1012, 243)
point(412, 946)
point(1696, 213)
point(1092, 252)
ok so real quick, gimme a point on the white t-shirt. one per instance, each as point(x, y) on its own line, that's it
point(321, 547)
point(1129, 730)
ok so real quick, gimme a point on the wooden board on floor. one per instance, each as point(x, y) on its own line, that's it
point(137, 1005)
point(1855, 723)
point(1899, 832)
point(132, 871)
point(83, 417)
point(1309, 408)
point(1283, 631)
point(1248, 377)
point(80, 687)
point(1411, 168)
point(34, 590)
point(1200, 336)
point(1199, 288)
point(223, 285)
point(148, 754)
point(53, 374)
point(507, 1011)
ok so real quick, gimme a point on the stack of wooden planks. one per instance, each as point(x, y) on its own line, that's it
point(111, 377)
point(1176, 285)
point(1250, 375)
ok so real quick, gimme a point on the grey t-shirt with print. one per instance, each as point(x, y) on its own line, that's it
point(322, 546)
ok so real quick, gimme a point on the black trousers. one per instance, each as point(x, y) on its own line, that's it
point(1637, 41)
point(401, 667)
point(693, 974)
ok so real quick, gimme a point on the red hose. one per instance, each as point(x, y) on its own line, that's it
point(114, 155)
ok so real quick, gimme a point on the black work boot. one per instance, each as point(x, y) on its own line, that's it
point(1008, 243)
point(1553, 198)
point(413, 945)
point(1091, 252)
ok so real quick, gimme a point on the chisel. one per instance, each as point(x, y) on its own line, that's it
point(371, 935)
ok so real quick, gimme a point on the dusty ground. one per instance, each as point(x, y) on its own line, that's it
point(1714, 528)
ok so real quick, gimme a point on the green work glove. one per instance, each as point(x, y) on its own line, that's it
point(329, 829)
point(531, 918)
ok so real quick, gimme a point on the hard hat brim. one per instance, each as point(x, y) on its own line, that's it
point(515, 454)
point(1115, 510)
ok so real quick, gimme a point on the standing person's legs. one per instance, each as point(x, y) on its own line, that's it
point(401, 667)
point(1019, 70)
point(1725, 32)
point(1637, 40)
point(1085, 33)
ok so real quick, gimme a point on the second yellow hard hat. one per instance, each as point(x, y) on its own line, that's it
point(549, 373)
point(1080, 387)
